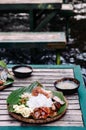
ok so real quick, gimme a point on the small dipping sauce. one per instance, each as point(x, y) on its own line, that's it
point(67, 85)
point(22, 71)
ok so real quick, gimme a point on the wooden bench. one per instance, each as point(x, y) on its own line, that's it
point(33, 39)
point(27, 5)
point(55, 6)
point(55, 40)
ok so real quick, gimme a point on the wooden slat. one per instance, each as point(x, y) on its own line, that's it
point(67, 7)
point(74, 107)
point(64, 118)
point(36, 39)
point(60, 123)
point(73, 101)
point(2, 106)
point(29, 1)
point(74, 112)
point(33, 37)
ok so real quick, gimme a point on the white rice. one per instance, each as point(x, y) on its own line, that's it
point(39, 101)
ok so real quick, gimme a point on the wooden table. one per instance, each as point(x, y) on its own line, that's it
point(75, 117)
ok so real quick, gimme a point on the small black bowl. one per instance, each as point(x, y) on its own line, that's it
point(67, 85)
point(22, 71)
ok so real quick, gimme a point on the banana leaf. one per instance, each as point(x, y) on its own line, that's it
point(14, 97)
point(8, 81)
point(3, 64)
point(17, 93)
point(61, 96)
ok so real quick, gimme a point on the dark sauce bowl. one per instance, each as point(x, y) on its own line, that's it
point(68, 89)
point(22, 71)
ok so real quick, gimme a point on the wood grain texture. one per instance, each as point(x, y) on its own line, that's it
point(33, 37)
point(46, 77)
point(29, 39)
point(30, 1)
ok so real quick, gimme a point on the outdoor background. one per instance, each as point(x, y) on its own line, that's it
point(74, 53)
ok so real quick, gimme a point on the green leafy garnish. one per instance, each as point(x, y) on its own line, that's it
point(8, 82)
point(17, 93)
point(3, 64)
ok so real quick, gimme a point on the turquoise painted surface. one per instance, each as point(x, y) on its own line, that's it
point(40, 127)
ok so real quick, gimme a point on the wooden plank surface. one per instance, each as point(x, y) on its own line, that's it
point(47, 77)
point(29, 1)
point(28, 39)
point(33, 37)
point(67, 7)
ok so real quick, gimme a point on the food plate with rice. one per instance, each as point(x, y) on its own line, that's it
point(35, 104)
